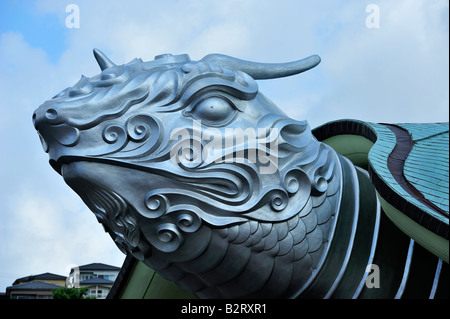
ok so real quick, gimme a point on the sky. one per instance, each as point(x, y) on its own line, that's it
point(382, 61)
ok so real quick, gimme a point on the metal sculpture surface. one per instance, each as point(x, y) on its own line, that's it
point(196, 173)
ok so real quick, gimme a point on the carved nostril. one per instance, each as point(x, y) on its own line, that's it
point(34, 120)
point(51, 114)
point(42, 116)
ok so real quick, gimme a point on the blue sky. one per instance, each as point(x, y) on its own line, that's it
point(395, 73)
point(39, 29)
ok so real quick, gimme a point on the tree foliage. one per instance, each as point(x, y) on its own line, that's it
point(70, 293)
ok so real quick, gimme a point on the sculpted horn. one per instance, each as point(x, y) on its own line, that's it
point(103, 61)
point(262, 71)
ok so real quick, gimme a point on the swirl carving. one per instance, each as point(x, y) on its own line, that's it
point(138, 131)
point(189, 153)
point(279, 200)
point(295, 180)
point(139, 136)
point(168, 233)
point(167, 237)
point(157, 205)
point(188, 222)
point(116, 138)
point(114, 134)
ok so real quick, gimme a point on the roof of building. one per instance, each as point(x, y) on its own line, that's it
point(96, 281)
point(34, 285)
point(428, 162)
point(44, 276)
point(98, 266)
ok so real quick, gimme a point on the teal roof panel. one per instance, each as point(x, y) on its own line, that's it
point(427, 166)
point(408, 165)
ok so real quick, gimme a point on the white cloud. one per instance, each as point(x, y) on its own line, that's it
point(394, 73)
point(51, 231)
point(45, 226)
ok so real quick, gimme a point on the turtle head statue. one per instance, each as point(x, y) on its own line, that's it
point(196, 173)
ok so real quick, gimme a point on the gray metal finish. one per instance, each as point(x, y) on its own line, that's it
point(220, 223)
point(196, 173)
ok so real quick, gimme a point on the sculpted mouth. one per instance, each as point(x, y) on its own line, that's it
point(109, 197)
point(110, 208)
point(58, 165)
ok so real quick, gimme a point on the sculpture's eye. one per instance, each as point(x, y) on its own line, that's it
point(214, 111)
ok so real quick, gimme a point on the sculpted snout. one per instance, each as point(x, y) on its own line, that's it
point(44, 116)
point(56, 137)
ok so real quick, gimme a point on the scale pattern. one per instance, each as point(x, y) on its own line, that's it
point(285, 254)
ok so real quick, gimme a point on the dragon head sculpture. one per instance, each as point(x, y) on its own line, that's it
point(195, 172)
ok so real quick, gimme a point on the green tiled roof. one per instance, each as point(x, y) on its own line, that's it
point(378, 155)
point(408, 164)
point(427, 166)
